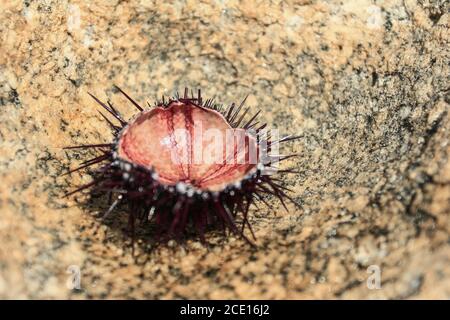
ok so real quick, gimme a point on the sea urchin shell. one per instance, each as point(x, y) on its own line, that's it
point(188, 164)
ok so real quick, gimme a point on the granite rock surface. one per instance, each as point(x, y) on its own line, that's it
point(365, 84)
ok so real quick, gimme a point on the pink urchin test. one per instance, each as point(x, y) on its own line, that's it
point(188, 164)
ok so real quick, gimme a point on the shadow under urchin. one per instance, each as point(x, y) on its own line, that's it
point(178, 199)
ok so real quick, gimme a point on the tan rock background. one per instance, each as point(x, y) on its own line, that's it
point(366, 84)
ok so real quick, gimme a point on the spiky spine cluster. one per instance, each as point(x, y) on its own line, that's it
point(176, 208)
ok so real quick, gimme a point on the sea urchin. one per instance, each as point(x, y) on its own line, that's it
point(188, 164)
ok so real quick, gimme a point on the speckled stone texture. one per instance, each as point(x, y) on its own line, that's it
point(365, 83)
